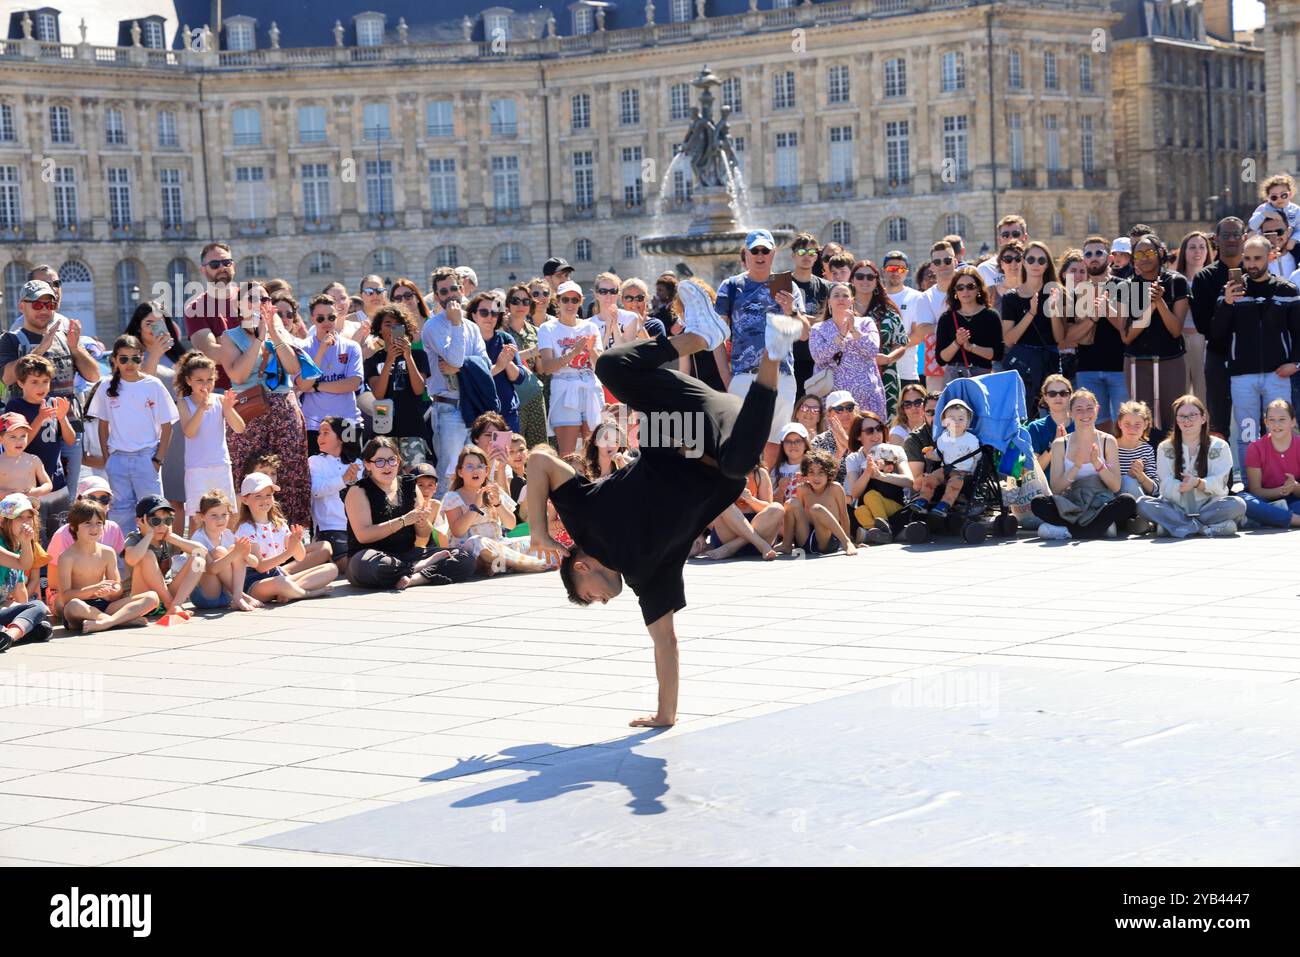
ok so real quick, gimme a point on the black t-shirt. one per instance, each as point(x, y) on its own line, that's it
point(1155, 339)
point(916, 444)
point(1015, 307)
point(44, 444)
point(815, 291)
point(611, 521)
point(1106, 351)
point(408, 408)
point(15, 345)
point(382, 510)
point(985, 331)
point(1207, 287)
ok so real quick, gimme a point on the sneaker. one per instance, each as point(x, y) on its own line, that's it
point(6, 640)
point(1111, 531)
point(1219, 530)
point(1138, 526)
point(939, 508)
point(42, 631)
point(782, 333)
point(879, 534)
point(1053, 533)
point(699, 316)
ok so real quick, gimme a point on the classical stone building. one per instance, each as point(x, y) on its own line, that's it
point(337, 141)
point(1281, 42)
point(1190, 119)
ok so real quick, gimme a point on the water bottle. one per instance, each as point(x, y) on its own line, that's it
point(383, 416)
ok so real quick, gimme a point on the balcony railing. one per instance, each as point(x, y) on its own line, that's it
point(1059, 179)
point(381, 220)
point(954, 183)
point(497, 215)
point(17, 232)
point(442, 217)
point(68, 231)
point(1094, 179)
point(832, 191)
point(1022, 179)
point(783, 194)
point(629, 209)
point(124, 230)
point(254, 227)
point(178, 231)
point(318, 224)
point(893, 186)
point(579, 211)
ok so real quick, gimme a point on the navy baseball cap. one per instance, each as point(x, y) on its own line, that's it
point(150, 504)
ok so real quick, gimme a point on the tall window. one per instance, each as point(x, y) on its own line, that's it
point(438, 119)
point(1050, 80)
point(239, 35)
point(783, 90)
point(11, 210)
point(46, 28)
point(1015, 126)
point(955, 152)
point(1058, 223)
point(247, 123)
point(841, 154)
point(731, 95)
point(787, 159)
point(955, 223)
point(370, 32)
point(584, 21)
point(1053, 143)
point(311, 124)
point(682, 10)
point(503, 118)
point(374, 122)
point(60, 124)
point(8, 132)
point(167, 133)
point(896, 229)
point(65, 197)
point(505, 183)
point(114, 127)
point(173, 213)
point(119, 196)
point(379, 186)
point(629, 107)
point(679, 101)
point(584, 180)
point(250, 192)
point(444, 196)
point(1086, 143)
point(1015, 79)
point(954, 71)
point(128, 290)
point(629, 247)
point(580, 111)
point(315, 191)
point(582, 250)
point(497, 27)
point(837, 84)
point(633, 188)
point(683, 187)
point(1085, 73)
point(842, 233)
point(896, 77)
point(152, 35)
point(898, 164)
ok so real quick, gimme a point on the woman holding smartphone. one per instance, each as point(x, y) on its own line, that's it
point(396, 375)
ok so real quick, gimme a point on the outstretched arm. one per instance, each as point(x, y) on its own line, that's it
point(545, 472)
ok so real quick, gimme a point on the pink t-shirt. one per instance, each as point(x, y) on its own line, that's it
point(1273, 465)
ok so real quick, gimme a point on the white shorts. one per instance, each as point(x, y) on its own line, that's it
point(575, 400)
point(199, 481)
point(784, 411)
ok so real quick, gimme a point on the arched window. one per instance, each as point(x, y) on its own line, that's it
point(320, 264)
point(445, 256)
point(582, 250)
point(896, 229)
point(1058, 223)
point(629, 247)
point(509, 254)
point(129, 293)
point(842, 233)
point(257, 267)
point(386, 264)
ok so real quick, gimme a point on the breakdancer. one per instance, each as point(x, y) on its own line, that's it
point(638, 523)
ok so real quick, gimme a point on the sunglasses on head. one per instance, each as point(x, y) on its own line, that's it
point(134, 360)
point(944, 261)
point(219, 263)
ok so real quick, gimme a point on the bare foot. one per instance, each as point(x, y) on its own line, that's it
point(769, 555)
point(405, 582)
point(850, 549)
point(97, 623)
point(712, 554)
point(782, 549)
point(653, 721)
point(253, 602)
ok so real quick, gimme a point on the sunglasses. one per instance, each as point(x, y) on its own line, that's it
point(846, 407)
point(965, 287)
point(133, 360)
point(43, 305)
point(805, 252)
point(873, 428)
point(474, 467)
point(945, 261)
point(405, 297)
point(158, 521)
point(1036, 260)
point(760, 251)
point(385, 463)
point(895, 269)
point(319, 319)
point(1272, 232)
point(1146, 254)
point(219, 263)
point(811, 408)
point(607, 292)
point(371, 291)
point(445, 291)
point(485, 313)
point(54, 283)
point(1271, 198)
point(1011, 234)
point(571, 300)
point(1095, 254)
point(517, 301)
point(1012, 259)
point(101, 499)
point(639, 297)
point(541, 294)
point(913, 403)
point(865, 277)
point(1057, 393)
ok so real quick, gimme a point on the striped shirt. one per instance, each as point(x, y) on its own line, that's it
point(1147, 454)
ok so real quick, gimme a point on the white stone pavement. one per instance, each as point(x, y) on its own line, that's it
point(180, 745)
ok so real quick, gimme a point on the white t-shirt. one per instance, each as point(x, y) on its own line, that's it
point(884, 454)
point(485, 527)
point(1283, 266)
point(915, 308)
point(559, 338)
point(951, 448)
point(1294, 278)
point(625, 319)
point(136, 414)
point(326, 483)
point(267, 536)
point(990, 272)
point(208, 448)
point(899, 434)
point(201, 537)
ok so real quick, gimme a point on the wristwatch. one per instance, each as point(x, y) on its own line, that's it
point(315, 385)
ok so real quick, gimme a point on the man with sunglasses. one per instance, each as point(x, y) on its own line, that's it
point(803, 254)
point(943, 263)
point(1273, 228)
point(916, 309)
point(339, 359)
point(450, 340)
point(47, 274)
point(215, 310)
point(1011, 228)
point(1101, 358)
point(38, 335)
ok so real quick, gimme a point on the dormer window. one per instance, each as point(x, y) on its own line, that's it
point(496, 24)
point(46, 27)
point(370, 29)
point(240, 33)
point(151, 35)
point(584, 19)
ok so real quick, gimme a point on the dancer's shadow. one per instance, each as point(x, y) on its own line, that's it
point(645, 778)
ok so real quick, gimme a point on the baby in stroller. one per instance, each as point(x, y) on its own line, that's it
point(956, 450)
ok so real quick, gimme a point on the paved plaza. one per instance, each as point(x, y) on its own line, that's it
point(1112, 702)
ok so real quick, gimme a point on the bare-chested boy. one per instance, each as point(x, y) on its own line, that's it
point(817, 518)
point(20, 471)
point(89, 583)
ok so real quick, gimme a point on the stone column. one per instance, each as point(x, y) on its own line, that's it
point(811, 140)
point(924, 64)
point(474, 160)
point(345, 126)
point(92, 189)
point(868, 92)
point(408, 200)
point(282, 206)
point(146, 199)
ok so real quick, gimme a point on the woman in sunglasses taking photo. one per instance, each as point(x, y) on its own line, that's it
point(503, 352)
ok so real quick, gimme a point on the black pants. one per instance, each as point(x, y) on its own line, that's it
point(730, 432)
point(371, 568)
point(1120, 509)
point(1218, 391)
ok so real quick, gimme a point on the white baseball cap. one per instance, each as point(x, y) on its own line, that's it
point(568, 286)
point(839, 397)
point(255, 482)
point(1122, 245)
point(92, 483)
point(794, 428)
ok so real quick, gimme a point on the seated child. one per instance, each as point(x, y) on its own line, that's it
point(477, 513)
point(92, 488)
point(89, 582)
point(330, 477)
point(789, 460)
point(20, 471)
point(286, 568)
point(149, 554)
point(19, 617)
point(221, 585)
point(426, 480)
point(818, 516)
point(953, 448)
point(1277, 192)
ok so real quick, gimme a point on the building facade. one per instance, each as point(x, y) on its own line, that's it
point(500, 139)
point(1190, 116)
point(1281, 42)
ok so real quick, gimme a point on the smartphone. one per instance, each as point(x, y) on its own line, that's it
point(501, 442)
point(780, 282)
point(1234, 275)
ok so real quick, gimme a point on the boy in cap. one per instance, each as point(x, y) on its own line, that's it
point(149, 554)
point(953, 448)
point(20, 471)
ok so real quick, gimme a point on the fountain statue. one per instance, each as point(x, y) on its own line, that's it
point(710, 246)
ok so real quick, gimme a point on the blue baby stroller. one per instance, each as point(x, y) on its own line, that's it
point(998, 400)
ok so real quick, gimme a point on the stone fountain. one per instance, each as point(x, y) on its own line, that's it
point(710, 247)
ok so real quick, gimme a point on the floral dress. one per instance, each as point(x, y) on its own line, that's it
point(852, 361)
point(892, 335)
